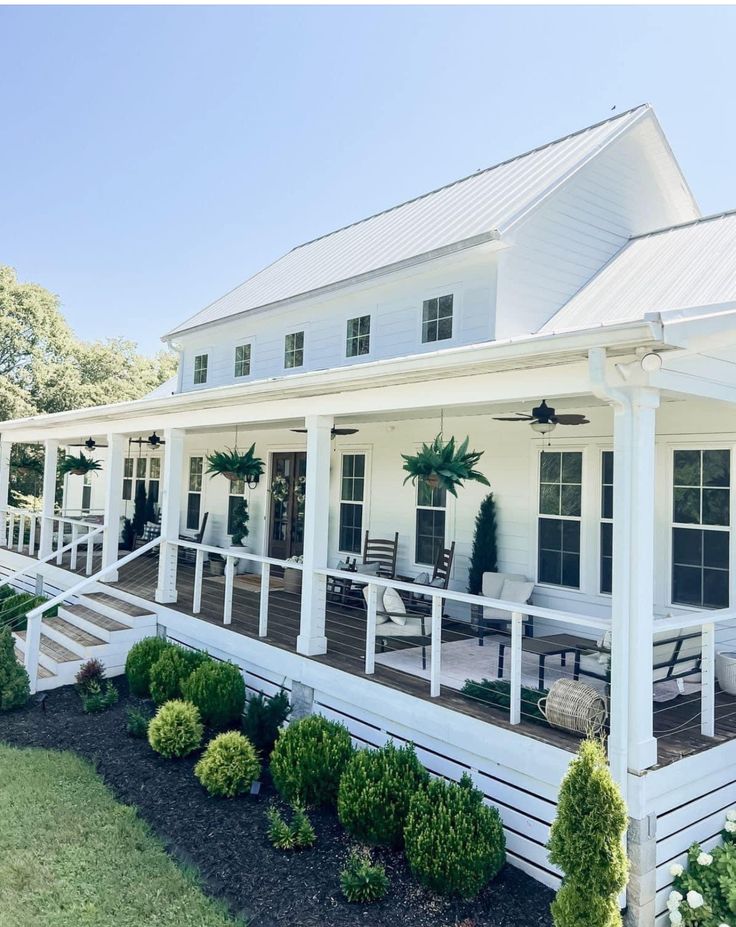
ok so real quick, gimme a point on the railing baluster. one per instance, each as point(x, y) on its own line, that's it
point(59, 540)
point(90, 553)
point(708, 681)
point(515, 676)
point(198, 576)
point(11, 525)
point(435, 667)
point(33, 648)
point(229, 577)
point(75, 548)
point(370, 629)
point(265, 588)
point(32, 536)
point(21, 528)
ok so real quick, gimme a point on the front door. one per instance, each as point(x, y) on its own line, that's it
point(286, 522)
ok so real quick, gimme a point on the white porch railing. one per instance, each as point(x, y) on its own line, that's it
point(19, 529)
point(72, 547)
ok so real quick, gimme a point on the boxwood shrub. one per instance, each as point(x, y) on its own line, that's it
point(375, 790)
point(141, 658)
point(170, 670)
point(14, 684)
point(176, 729)
point(308, 760)
point(218, 691)
point(229, 765)
point(454, 842)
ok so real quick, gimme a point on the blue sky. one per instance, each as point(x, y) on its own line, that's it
point(151, 158)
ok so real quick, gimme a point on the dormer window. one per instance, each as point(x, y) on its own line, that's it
point(437, 319)
point(359, 336)
point(294, 350)
point(200, 369)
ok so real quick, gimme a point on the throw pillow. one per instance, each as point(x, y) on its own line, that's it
point(394, 606)
point(381, 617)
point(422, 579)
point(370, 568)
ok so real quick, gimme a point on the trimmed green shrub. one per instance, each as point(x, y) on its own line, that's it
point(454, 842)
point(176, 729)
point(296, 835)
point(218, 691)
point(15, 687)
point(14, 608)
point(136, 723)
point(168, 673)
point(586, 842)
point(363, 881)
point(375, 790)
point(262, 719)
point(141, 658)
point(497, 692)
point(229, 765)
point(308, 760)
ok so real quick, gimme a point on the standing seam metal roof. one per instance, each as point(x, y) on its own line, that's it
point(487, 200)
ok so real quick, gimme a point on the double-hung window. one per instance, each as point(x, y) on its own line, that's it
point(128, 479)
point(235, 503)
point(437, 319)
point(701, 495)
point(358, 336)
point(352, 498)
point(141, 465)
point(430, 524)
point(560, 509)
point(194, 494)
point(86, 493)
point(200, 369)
point(242, 360)
point(154, 479)
point(294, 350)
point(606, 533)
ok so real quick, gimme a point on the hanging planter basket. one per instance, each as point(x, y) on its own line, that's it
point(444, 465)
point(433, 481)
point(231, 475)
point(235, 466)
point(78, 465)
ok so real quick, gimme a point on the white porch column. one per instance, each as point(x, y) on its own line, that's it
point(632, 677)
point(50, 464)
point(170, 499)
point(312, 640)
point(113, 502)
point(5, 449)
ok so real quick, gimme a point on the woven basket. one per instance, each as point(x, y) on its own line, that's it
point(574, 706)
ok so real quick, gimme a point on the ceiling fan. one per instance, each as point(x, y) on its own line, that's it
point(90, 444)
point(334, 432)
point(544, 418)
point(152, 440)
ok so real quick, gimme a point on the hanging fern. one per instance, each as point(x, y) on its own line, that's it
point(443, 464)
point(234, 465)
point(79, 465)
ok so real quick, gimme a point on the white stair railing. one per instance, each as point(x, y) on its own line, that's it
point(33, 566)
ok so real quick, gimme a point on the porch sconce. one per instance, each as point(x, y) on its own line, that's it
point(543, 428)
point(252, 481)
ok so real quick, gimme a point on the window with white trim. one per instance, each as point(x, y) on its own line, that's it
point(194, 493)
point(352, 498)
point(358, 336)
point(606, 531)
point(154, 479)
point(128, 479)
point(437, 319)
point(701, 517)
point(86, 493)
point(141, 464)
point(294, 350)
point(200, 369)
point(560, 508)
point(235, 501)
point(242, 360)
point(430, 523)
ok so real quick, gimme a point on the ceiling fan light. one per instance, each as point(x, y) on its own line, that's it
point(543, 428)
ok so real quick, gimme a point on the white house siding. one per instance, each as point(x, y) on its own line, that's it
point(395, 307)
point(580, 227)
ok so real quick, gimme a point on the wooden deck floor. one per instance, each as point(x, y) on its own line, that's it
point(676, 723)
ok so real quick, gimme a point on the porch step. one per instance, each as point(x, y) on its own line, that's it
point(54, 656)
point(118, 609)
point(71, 635)
point(43, 673)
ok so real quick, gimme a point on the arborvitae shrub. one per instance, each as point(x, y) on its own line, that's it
point(218, 690)
point(136, 723)
point(586, 841)
point(14, 684)
point(262, 719)
point(176, 729)
point(229, 765)
point(375, 790)
point(296, 835)
point(308, 760)
point(454, 842)
point(483, 554)
point(170, 670)
point(363, 881)
point(141, 658)
point(98, 696)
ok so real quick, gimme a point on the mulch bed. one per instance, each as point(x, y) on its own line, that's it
point(226, 839)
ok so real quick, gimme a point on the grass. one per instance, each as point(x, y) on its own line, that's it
point(71, 856)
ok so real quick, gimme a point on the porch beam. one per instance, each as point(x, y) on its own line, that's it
point(50, 465)
point(171, 491)
point(113, 502)
point(311, 640)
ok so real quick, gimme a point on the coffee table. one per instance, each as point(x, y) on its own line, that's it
point(559, 645)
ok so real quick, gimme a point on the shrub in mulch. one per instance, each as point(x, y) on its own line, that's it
point(218, 691)
point(308, 760)
point(176, 730)
point(169, 673)
point(139, 661)
point(229, 765)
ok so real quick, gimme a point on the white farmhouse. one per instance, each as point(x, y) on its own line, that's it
point(581, 273)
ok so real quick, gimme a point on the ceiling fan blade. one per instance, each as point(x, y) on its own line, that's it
point(344, 431)
point(571, 419)
point(299, 431)
point(517, 417)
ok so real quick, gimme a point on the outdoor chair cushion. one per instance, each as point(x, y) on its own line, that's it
point(493, 586)
point(371, 569)
point(394, 606)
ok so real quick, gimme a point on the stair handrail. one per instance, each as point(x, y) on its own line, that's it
point(34, 564)
point(35, 616)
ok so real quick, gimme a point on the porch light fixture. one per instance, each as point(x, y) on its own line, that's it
point(543, 428)
point(252, 481)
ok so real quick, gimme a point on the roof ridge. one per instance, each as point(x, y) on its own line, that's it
point(485, 170)
point(682, 225)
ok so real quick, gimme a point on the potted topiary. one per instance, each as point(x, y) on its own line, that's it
point(235, 466)
point(483, 558)
point(443, 465)
point(239, 523)
point(78, 464)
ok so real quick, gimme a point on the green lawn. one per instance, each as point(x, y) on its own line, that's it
point(71, 856)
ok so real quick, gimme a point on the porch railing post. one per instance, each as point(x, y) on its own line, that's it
point(227, 615)
point(370, 629)
point(515, 675)
point(198, 576)
point(311, 640)
point(32, 650)
point(113, 502)
point(171, 492)
point(708, 681)
point(263, 605)
point(5, 449)
point(50, 464)
point(89, 561)
point(435, 666)
point(73, 553)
